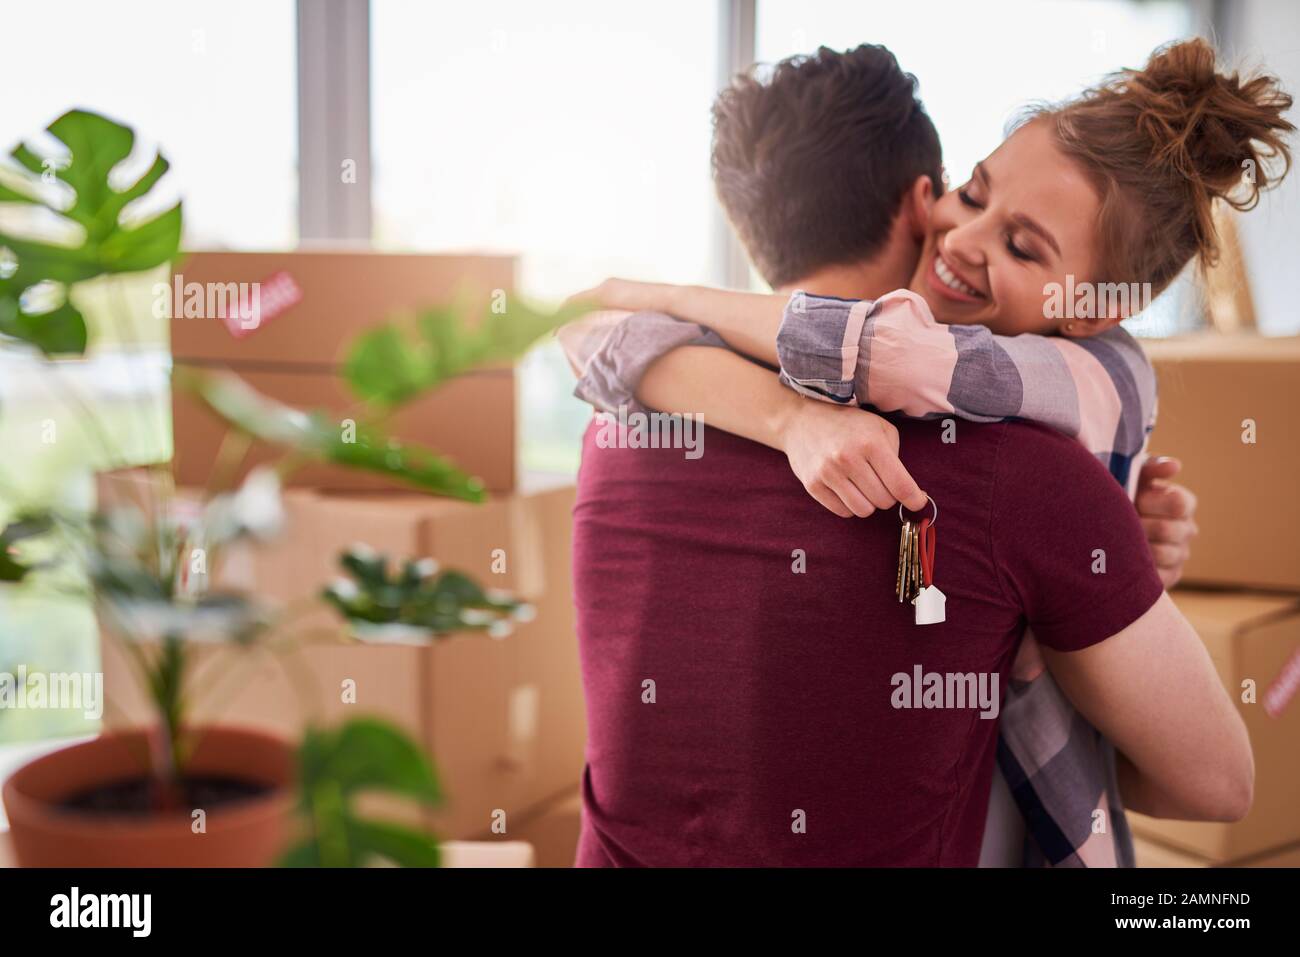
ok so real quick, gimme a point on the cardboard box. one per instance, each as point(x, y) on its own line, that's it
point(342, 293)
point(1248, 637)
point(511, 734)
point(295, 351)
point(1212, 388)
point(1152, 854)
point(503, 719)
point(1290, 857)
point(553, 831)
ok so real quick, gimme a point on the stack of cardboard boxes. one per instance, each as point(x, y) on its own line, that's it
point(1228, 409)
point(503, 719)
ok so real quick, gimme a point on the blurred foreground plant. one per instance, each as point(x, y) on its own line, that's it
point(147, 562)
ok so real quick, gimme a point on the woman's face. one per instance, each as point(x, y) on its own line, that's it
point(1026, 218)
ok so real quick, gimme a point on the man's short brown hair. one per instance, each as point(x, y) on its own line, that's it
point(811, 162)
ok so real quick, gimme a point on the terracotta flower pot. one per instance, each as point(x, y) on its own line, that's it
point(250, 833)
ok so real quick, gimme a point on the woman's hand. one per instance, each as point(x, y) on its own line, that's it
point(629, 294)
point(847, 459)
point(1168, 513)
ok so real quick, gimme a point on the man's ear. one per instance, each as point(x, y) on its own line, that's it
point(917, 206)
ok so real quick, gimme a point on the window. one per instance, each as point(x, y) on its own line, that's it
point(213, 81)
point(978, 65)
point(573, 133)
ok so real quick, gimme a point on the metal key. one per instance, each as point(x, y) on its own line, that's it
point(904, 551)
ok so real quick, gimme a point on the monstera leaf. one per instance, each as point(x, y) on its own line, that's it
point(399, 359)
point(335, 767)
point(88, 206)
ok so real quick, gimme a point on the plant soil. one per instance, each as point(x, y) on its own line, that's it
point(139, 796)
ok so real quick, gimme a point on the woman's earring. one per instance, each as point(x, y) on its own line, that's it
point(1069, 327)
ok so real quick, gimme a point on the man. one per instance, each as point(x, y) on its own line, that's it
point(740, 646)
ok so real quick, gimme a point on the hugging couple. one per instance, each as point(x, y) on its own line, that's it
point(757, 694)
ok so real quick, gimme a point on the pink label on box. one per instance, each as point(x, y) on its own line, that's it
point(1284, 686)
point(267, 299)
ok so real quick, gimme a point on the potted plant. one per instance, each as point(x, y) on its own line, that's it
point(172, 793)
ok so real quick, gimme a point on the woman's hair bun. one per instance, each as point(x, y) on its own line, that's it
point(1163, 144)
point(1221, 131)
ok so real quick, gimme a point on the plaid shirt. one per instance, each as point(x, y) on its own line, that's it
point(890, 353)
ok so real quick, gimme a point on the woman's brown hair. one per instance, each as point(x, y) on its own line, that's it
point(1163, 145)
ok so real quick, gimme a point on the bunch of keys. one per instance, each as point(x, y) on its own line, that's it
point(915, 582)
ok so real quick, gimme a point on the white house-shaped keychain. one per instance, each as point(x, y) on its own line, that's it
point(918, 547)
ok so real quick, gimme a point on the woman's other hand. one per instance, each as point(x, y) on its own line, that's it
point(847, 459)
point(1168, 512)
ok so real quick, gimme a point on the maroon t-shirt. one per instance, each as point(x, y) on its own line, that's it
point(739, 642)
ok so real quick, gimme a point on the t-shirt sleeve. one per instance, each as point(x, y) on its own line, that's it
point(1069, 547)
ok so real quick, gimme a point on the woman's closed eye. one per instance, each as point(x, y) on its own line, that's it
point(970, 201)
point(1017, 252)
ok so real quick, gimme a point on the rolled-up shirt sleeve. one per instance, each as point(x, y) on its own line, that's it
point(818, 345)
point(891, 353)
point(611, 351)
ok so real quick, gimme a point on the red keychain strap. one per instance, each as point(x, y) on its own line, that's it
point(927, 535)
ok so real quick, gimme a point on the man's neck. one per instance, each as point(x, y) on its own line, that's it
point(853, 280)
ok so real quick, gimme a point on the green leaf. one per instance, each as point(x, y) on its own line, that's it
point(144, 246)
point(59, 331)
point(22, 528)
point(383, 366)
point(303, 854)
point(400, 359)
point(418, 604)
point(315, 435)
point(43, 262)
point(93, 146)
point(367, 754)
point(403, 846)
point(252, 413)
point(364, 841)
point(12, 570)
point(335, 767)
point(413, 464)
point(96, 144)
point(366, 566)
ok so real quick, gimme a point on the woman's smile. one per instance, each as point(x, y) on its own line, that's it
point(949, 283)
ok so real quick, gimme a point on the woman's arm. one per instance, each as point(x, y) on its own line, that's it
point(893, 355)
point(748, 321)
point(847, 458)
